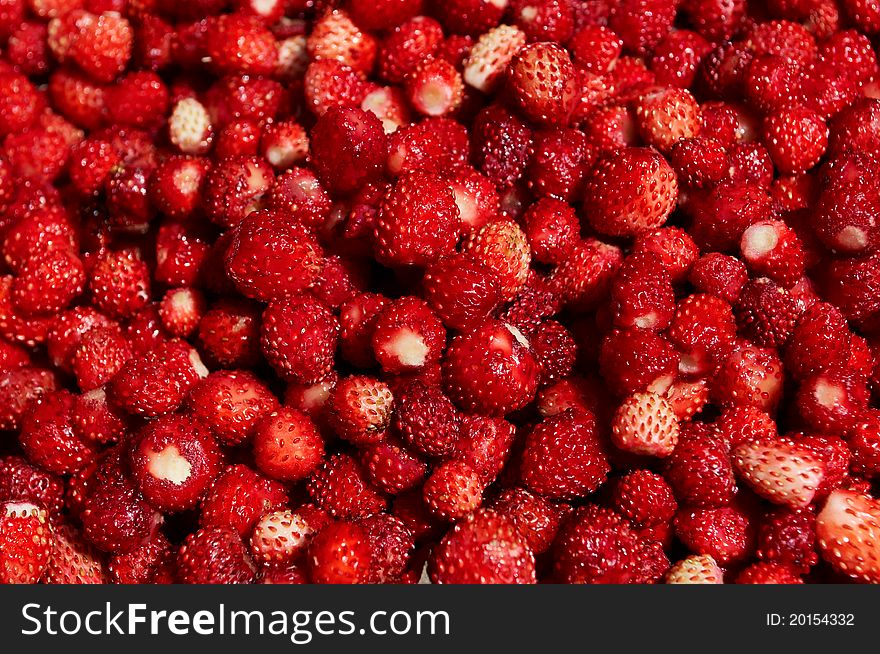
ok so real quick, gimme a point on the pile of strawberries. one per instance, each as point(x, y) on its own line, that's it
point(475, 291)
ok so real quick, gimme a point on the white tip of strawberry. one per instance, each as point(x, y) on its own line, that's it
point(169, 465)
point(491, 55)
point(696, 569)
point(779, 470)
point(189, 127)
point(848, 530)
point(409, 348)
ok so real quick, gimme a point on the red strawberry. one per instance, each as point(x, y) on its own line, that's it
point(637, 360)
point(644, 498)
point(843, 218)
point(335, 36)
point(645, 423)
point(426, 419)
point(73, 561)
point(340, 554)
point(665, 116)
point(704, 331)
point(391, 547)
point(25, 537)
point(20, 481)
point(700, 472)
point(299, 336)
point(238, 43)
point(215, 555)
point(773, 249)
point(864, 443)
point(750, 376)
point(537, 519)
point(238, 498)
point(409, 44)
point(461, 290)
point(832, 400)
point(596, 546)
point(563, 457)
point(231, 404)
point(562, 157)
point(642, 23)
point(719, 275)
point(453, 490)
point(47, 436)
point(101, 47)
point(847, 529)
point(725, 534)
point(434, 88)
point(542, 79)
point(555, 349)
point(119, 283)
point(484, 548)
point(391, 467)
point(544, 20)
point(348, 149)
point(788, 536)
point(502, 246)
point(329, 84)
point(338, 486)
point(174, 460)
point(150, 563)
point(229, 334)
point(642, 294)
point(629, 192)
point(360, 409)
point(490, 369)
point(234, 186)
point(101, 353)
point(796, 138)
point(502, 145)
point(695, 569)
point(766, 313)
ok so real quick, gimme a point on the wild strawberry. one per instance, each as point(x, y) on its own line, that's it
point(773, 249)
point(434, 145)
point(418, 221)
point(229, 334)
point(403, 49)
point(766, 313)
point(238, 498)
point(238, 43)
point(542, 79)
point(749, 376)
point(215, 555)
point(832, 399)
point(597, 546)
point(645, 423)
point(843, 219)
point(779, 470)
point(21, 104)
point(629, 192)
point(461, 290)
point(485, 445)
point(864, 444)
point(157, 382)
point(94, 420)
point(339, 487)
point(675, 248)
point(665, 116)
point(453, 490)
point(562, 157)
point(584, 277)
point(26, 539)
point(720, 218)
point(491, 55)
point(725, 534)
point(119, 283)
point(281, 537)
point(796, 139)
point(644, 498)
point(299, 337)
point(295, 256)
point(391, 467)
point(174, 460)
point(537, 519)
point(101, 354)
point(555, 349)
point(738, 424)
point(348, 149)
point(485, 548)
point(407, 336)
point(490, 369)
point(641, 294)
point(426, 419)
point(768, 573)
point(695, 569)
point(335, 36)
point(234, 187)
point(47, 436)
point(720, 275)
point(329, 84)
point(21, 481)
point(551, 227)
point(699, 161)
point(73, 561)
point(284, 144)
point(676, 59)
point(846, 528)
point(102, 46)
point(636, 360)
point(563, 457)
point(189, 127)
point(700, 473)
point(287, 445)
point(787, 536)
point(360, 409)
point(391, 547)
point(339, 554)
point(502, 145)
point(152, 562)
point(434, 88)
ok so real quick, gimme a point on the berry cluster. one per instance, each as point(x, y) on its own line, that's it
point(491, 291)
